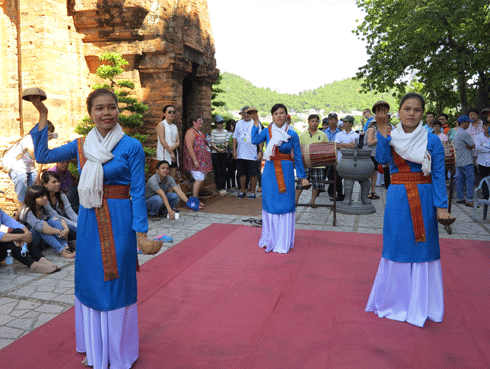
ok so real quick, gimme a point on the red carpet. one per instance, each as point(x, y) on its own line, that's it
point(217, 300)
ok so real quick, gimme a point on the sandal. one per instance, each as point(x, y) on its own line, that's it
point(370, 196)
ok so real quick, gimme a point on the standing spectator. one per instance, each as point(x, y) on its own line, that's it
point(158, 197)
point(23, 171)
point(310, 136)
point(475, 128)
point(68, 183)
point(278, 205)
point(231, 179)
point(219, 153)
point(331, 132)
point(430, 117)
point(168, 139)
point(465, 174)
point(484, 114)
point(197, 155)
point(482, 147)
point(366, 113)
point(437, 126)
point(13, 241)
point(444, 119)
point(246, 154)
point(345, 140)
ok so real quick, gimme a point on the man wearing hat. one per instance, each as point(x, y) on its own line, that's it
point(465, 174)
point(246, 153)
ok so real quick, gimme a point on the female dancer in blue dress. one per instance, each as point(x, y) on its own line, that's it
point(278, 189)
point(112, 221)
point(408, 284)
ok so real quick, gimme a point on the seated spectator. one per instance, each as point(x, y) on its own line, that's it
point(54, 231)
point(158, 197)
point(68, 183)
point(437, 127)
point(14, 240)
point(21, 163)
point(58, 204)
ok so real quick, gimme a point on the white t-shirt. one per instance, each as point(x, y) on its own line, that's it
point(243, 134)
point(24, 162)
point(344, 138)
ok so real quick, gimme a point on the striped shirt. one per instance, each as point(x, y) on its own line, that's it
point(219, 138)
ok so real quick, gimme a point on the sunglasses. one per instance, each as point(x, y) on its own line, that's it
point(170, 111)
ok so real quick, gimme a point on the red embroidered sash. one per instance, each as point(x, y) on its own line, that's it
point(411, 180)
point(104, 224)
point(276, 159)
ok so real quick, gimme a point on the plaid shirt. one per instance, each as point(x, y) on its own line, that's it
point(474, 132)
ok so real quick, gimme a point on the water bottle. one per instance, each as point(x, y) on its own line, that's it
point(9, 260)
point(208, 138)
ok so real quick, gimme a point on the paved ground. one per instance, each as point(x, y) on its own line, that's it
point(28, 300)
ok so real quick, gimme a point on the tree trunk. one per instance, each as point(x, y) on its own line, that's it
point(482, 96)
point(463, 95)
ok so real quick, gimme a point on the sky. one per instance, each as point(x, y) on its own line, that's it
point(286, 45)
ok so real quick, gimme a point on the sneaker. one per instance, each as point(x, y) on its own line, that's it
point(252, 197)
point(241, 195)
point(223, 192)
point(154, 218)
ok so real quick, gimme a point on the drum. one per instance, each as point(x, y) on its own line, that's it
point(321, 154)
point(449, 156)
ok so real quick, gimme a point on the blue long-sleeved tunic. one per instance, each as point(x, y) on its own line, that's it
point(274, 202)
point(128, 216)
point(398, 234)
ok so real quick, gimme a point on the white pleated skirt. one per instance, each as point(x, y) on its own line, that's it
point(107, 337)
point(277, 232)
point(408, 292)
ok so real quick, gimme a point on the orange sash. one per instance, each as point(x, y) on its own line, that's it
point(411, 180)
point(104, 224)
point(276, 159)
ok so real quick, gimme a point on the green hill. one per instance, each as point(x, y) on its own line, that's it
point(337, 96)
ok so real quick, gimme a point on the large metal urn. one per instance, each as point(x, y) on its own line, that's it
point(356, 165)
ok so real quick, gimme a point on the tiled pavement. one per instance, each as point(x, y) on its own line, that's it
point(28, 300)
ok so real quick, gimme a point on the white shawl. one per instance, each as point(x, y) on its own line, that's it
point(279, 135)
point(97, 150)
point(412, 146)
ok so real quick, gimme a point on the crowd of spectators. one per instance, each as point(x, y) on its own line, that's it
point(49, 198)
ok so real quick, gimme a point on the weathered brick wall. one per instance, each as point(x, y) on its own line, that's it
point(166, 42)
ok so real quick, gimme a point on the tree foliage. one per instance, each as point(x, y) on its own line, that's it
point(338, 96)
point(445, 43)
point(131, 110)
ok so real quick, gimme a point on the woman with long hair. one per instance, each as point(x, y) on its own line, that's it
point(58, 204)
point(168, 139)
point(408, 284)
point(197, 154)
point(112, 222)
point(278, 190)
point(53, 230)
